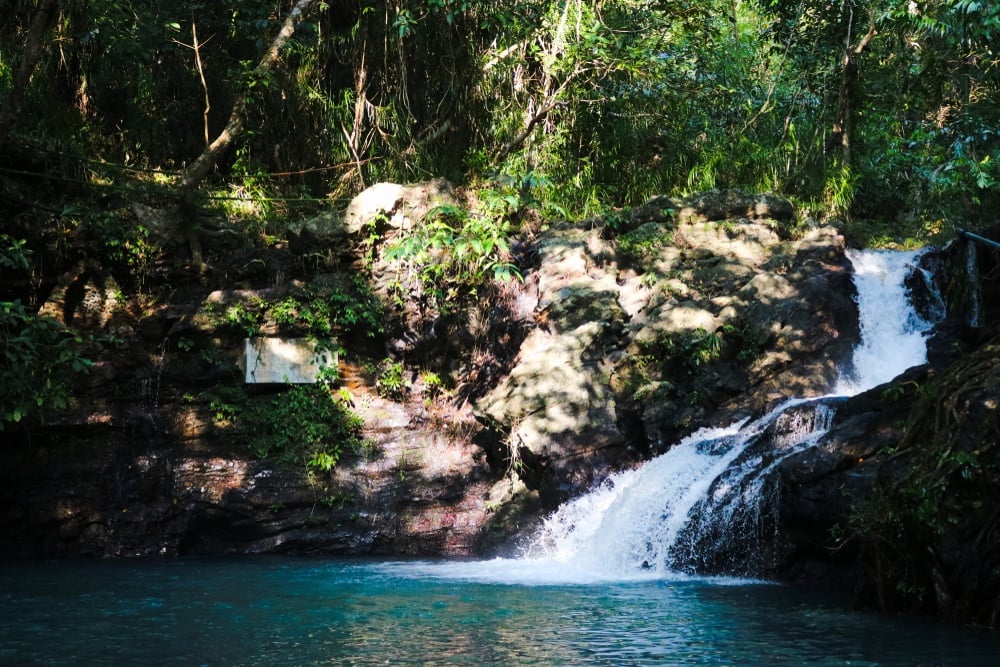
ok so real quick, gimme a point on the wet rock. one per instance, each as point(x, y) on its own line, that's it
point(817, 489)
point(895, 503)
point(732, 529)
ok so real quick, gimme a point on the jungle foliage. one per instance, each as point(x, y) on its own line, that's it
point(881, 114)
point(872, 108)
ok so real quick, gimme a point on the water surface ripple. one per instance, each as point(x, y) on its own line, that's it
point(284, 611)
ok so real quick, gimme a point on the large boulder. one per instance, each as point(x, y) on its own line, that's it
point(317, 235)
point(898, 500)
point(555, 406)
point(714, 205)
point(650, 329)
point(380, 207)
point(733, 323)
point(397, 205)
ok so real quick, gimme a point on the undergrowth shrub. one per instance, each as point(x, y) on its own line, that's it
point(309, 425)
point(391, 381)
point(38, 356)
point(341, 305)
point(456, 252)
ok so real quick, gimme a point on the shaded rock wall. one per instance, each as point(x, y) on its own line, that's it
point(898, 503)
point(166, 480)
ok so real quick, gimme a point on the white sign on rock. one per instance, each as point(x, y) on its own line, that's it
point(285, 361)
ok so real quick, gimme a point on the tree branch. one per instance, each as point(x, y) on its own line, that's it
point(201, 73)
point(841, 131)
point(514, 143)
point(205, 162)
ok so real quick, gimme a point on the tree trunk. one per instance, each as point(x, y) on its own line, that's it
point(203, 165)
point(842, 126)
point(44, 18)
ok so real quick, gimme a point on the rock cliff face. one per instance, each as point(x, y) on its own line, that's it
point(625, 334)
point(168, 482)
point(684, 318)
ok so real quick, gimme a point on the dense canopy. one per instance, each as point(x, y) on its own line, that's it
point(881, 110)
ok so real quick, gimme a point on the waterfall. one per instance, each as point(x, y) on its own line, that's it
point(972, 273)
point(700, 507)
point(893, 335)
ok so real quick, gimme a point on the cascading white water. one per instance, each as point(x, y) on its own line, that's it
point(632, 524)
point(893, 335)
point(623, 526)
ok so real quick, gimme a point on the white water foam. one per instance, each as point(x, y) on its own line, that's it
point(539, 572)
point(628, 527)
point(625, 526)
point(893, 335)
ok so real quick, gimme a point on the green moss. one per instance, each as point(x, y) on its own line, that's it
point(644, 242)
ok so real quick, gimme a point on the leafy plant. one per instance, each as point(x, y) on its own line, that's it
point(307, 425)
point(38, 356)
point(687, 350)
point(346, 304)
point(118, 240)
point(391, 381)
point(340, 305)
point(13, 253)
point(38, 360)
point(433, 384)
point(456, 252)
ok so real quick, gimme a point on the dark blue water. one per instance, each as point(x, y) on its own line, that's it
point(269, 611)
